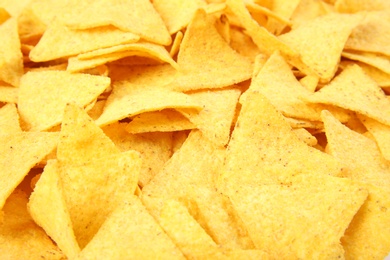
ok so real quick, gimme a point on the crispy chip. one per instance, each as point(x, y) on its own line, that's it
point(70, 42)
point(116, 238)
point(9, 94)
point(138, 17)
point(376, 60)
point(321, 47)
point(19, 152)
point(353, 6)
point(284, 8)
point(11, 66)
point(4, 15)
point(28, 242)
point(200, 58)
point(167, 120)
point(48, 197)
point(56, 88)
point(9, 120)
point(360, 93)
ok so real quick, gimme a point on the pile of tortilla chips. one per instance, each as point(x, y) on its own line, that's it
point(194, 129)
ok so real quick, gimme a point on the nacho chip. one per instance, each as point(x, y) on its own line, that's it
point(305, 136)
point(380, 132)
point(321, 47)
point(176, 44)
point(8, 94)
point(11, 66)
point(285, 9)
point(274, 213)
point(9, 120)
point(382, 78)
point(130, 228)
point(129, 99)
point(376, 60)
point(4, 15)
point(177, 14)
point(19, 152)
point(167, 120)
point(366, 163)
point(28, 242)
point(307, 10)
point(52, 91)
point(200, 58)
point(70, 42)
point(48, 209)
point(138, 17)
point(353, 6)
point(360, 93)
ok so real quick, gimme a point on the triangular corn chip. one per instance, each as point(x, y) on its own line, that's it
point(177, 14)
point(11, 61)
point(322, 52)
point(380, 132)
point(9, 94)
point(82, 137)
point(291, 219)
point(216, 117)
point(354, 90)
point(9, 120)
point(129, 99)
point(353, 6)
point(167, 120)
point(200, 62)
point(131, 230)
point(376, 60)
point(138, 17)
point(49, 210)
point(70, 42)
point(371, 34)
point(19, 152)
point(28, 242)
point(284, 8)
point(366, 163)
point(52, 91)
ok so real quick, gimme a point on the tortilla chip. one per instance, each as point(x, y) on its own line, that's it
point(9, 120)
point(129, 99)
point(11, 63)
point(310, 82)
point(368, 233)
point(138, 17)
point(285, 9)
point(200, 58)
point(219, 108)
point(8, 94)
point(307, 10)
point(70, 42)
point(360, 93)
point(321, 47)
point(381, 134)
point(19, 152)
point(49, 210)
point(155, 148)
point(353, 6)
point(28, 242)
point(382, 78)
point(243, 44)
point(176, 44)
point(130, 228)
point(4, 15)
point(167, 120)
point(376, 60)
point(273, 214)
point(14, 8)
point(177, 14)
point(365, 163)
point(43, 95)
point(305, 136)
point(371, 34)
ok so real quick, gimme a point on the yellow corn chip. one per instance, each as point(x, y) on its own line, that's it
point(380, 132)
point(177, 14)
point(14, 8)
point(310, 82)
point(131, 230)
point(201, 64)
point(30, 25)
point(216, 117)
point(382, 78)
point(167, 120)
point(360, 94)
point(8, 94)
point(368, 234)
point(9, 120)
point(49, 210)
point(376, 60)
point(285, 9)
point(20, 237)
point(43, 95)
point(366, 163)
point(129, 99)
point(155, 148)
point(305, 136)
point(19, 152)
point(307, 10)
point(138, 17)
point(70, 42)
point(243, 44)
point(4, 15)
point(11, 63)
point(274, 213)
point(176, 44)
point(353, 6)
point(371, 34)
point(322, 52)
